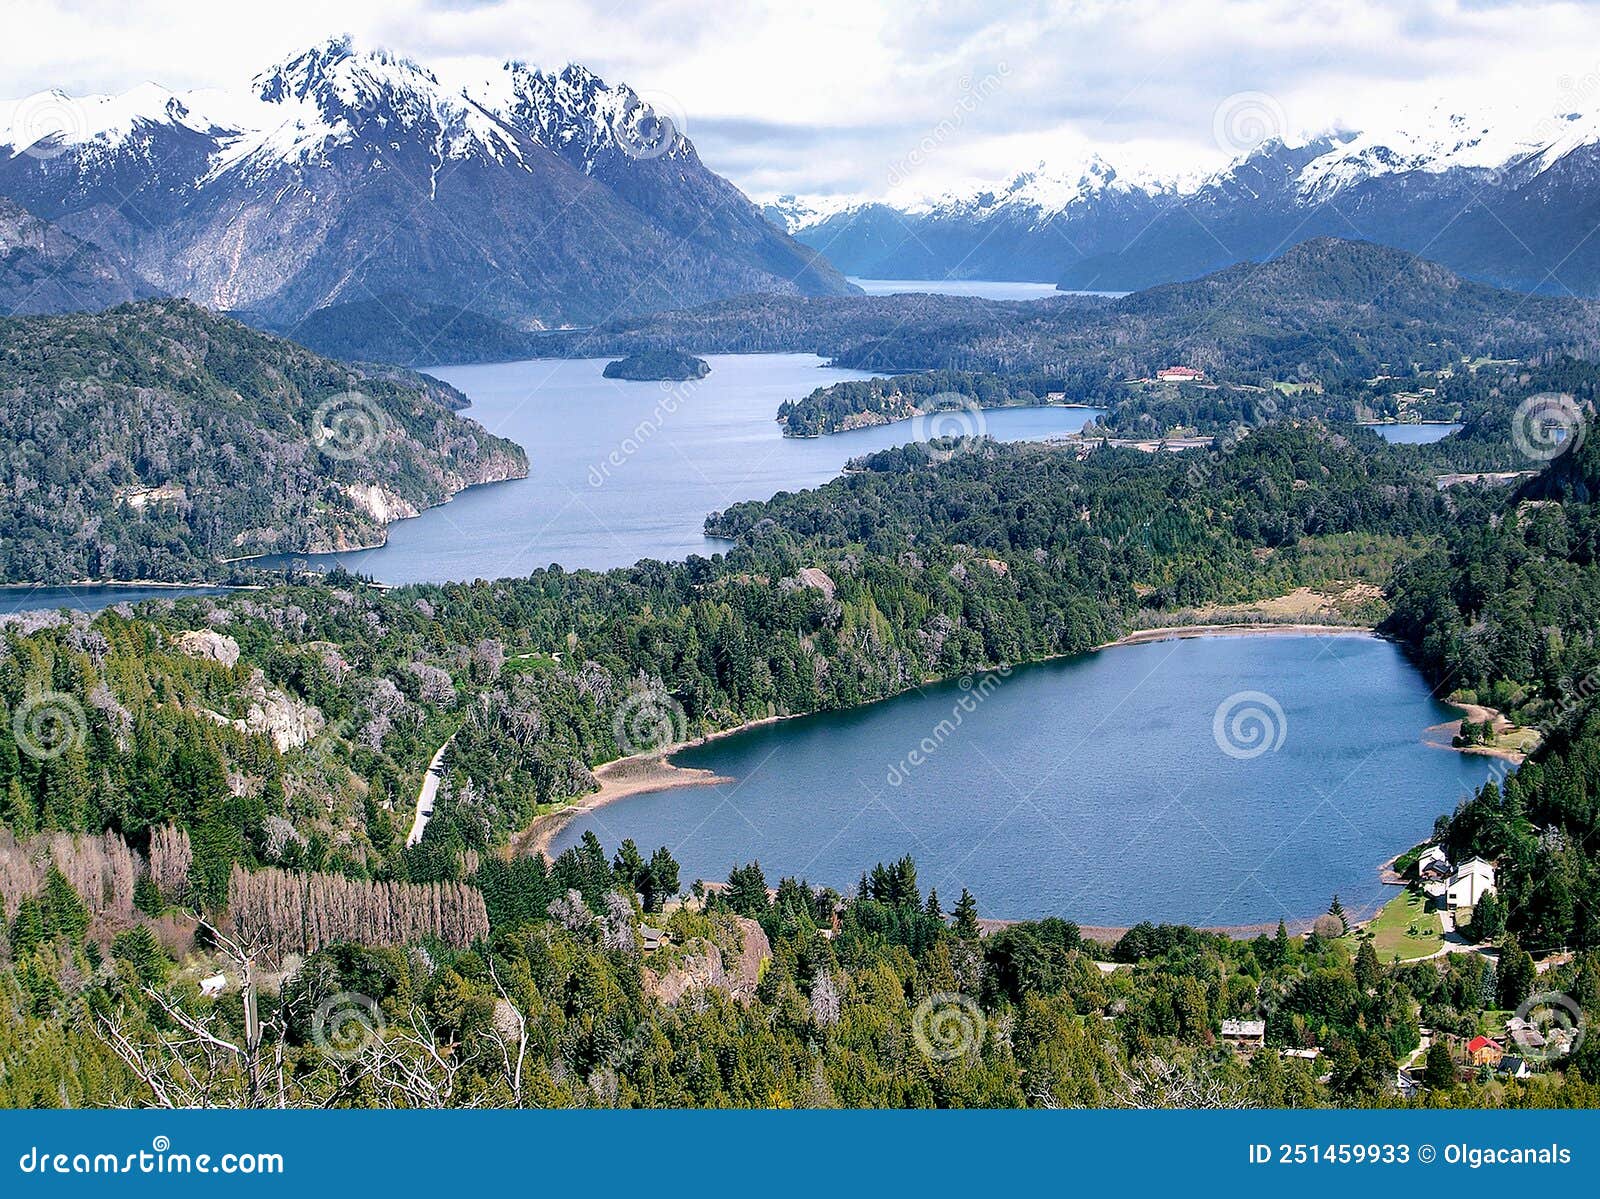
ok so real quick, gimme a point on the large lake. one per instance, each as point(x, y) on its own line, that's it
point(620, 471)
point(1092, 788)
point(983, 289)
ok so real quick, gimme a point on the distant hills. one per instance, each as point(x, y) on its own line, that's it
point(156, 439)
point(1505, 200)
point(534, 198)
point(1327, 310)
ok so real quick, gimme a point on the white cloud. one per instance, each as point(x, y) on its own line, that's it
point(864, 95)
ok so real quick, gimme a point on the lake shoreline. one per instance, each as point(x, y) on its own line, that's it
point(643, 774)
point(648, 773)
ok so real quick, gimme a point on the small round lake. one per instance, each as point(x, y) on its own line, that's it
point(1092, 788)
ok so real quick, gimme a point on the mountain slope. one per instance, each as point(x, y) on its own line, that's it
point(45, 269)
point(1326, 310)
point(1509, 200)
point(346, 176)
point(155, 439)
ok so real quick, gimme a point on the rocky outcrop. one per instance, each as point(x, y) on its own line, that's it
point(705, 965)
point(289, 722)
point(211, 645)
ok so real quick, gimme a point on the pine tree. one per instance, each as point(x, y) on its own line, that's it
point(1336, 910)
point(967, 916)
point(932, 910)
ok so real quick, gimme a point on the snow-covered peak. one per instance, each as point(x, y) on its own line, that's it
point(53, 122)
point(333, 95)
point(792, 213)
point(1438, 138)
point(575, 113)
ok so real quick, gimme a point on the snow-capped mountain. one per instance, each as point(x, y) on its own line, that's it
point(1508, 198)
point(536, 198)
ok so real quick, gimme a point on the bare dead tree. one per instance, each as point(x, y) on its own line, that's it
point(195, 1064)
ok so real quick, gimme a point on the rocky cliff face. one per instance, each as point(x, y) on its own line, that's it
point(44, 269)
point(154, 439)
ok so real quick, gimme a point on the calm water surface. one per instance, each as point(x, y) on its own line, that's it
point(90, 599)
point(1419, 434)
point(983, 289)
point(1091, 788)
point(620, 471)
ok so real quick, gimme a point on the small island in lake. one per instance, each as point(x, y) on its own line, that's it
point(650, 365)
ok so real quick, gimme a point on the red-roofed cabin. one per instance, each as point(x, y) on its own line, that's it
point(1484, 1052)
point(1179, 374)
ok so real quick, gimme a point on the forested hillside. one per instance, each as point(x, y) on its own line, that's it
point(156, 440)
point(1326, 311)
point(253, 760)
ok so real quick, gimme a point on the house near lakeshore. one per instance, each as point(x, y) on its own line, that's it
point(1179, 374)
point(1433, 865)
point(1472, 880)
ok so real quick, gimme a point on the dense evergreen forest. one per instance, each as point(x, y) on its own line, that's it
point(156, 440)
point(192, 782)
point(205, 801)
point(1327, 311)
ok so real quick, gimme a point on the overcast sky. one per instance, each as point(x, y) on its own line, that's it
point(868, 97)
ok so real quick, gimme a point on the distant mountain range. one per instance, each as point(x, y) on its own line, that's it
point(1511, 202)
point(535, 199)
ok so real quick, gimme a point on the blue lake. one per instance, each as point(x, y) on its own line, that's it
point(89, 599)
point(1092, 788)
point(983, 289)
point(620, 471)
point(1415, 434)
